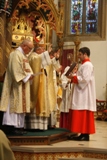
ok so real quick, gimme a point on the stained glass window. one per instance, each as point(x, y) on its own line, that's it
point(91, 16)
point(76, 15)
point(84, 16)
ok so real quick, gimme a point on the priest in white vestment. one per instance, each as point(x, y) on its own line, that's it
point(15, 98)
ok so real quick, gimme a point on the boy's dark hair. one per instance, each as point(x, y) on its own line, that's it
point(85, 50)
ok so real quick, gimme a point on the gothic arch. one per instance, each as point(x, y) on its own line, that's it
point(42, 16)
point(51, 17)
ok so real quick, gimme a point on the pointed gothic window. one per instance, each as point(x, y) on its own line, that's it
point(84, 16)
point(88, 16)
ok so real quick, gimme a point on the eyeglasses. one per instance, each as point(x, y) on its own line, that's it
point(30, 48)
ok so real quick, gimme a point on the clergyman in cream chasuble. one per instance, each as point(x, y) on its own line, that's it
point(43, 95)
point(35, 63)
point(37, 119)
point(15, 99)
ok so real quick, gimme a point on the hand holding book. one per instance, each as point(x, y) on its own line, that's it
point(72, 69)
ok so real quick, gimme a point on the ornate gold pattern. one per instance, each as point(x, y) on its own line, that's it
point(45, 156)
point(1, 55)
point(52, 17)
point(21, 29)
point(95, 155)
point(48, 16)
point(77, 43)
point(1, 27)
point(15, 16)
point(24, 97)
point(2, 68)
point(55, 17)
point(57, 156)
point(9, 28)
point(24, 3)
point(8, 49)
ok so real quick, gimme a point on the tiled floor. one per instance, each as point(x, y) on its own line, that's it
point(98, 143)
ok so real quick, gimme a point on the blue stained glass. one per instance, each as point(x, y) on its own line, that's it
point(84, 19)
point(76, 15)
point(91, 16)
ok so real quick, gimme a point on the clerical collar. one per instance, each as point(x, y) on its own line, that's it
point(86, 60)
point(20, 49)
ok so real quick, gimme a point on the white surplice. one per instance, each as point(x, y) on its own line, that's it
point(15, 100)
point(67, 89)
point(84, 94)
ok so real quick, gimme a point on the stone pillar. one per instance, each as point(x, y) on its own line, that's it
point(54, 39)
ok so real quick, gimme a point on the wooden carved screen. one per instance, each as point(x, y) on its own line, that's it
point(40, 18)
point(29, 26)
point(45, 11)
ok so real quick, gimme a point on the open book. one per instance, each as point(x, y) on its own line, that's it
point(70, 69)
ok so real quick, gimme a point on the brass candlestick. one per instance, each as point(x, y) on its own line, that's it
point(77, 43)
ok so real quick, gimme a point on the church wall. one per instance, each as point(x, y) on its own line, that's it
point(99, 60)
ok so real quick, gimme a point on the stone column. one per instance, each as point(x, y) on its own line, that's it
point(54, 39)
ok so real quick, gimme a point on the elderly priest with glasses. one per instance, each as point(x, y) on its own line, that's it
point(15, 98)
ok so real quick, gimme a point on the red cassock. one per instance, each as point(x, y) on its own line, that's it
point(81, 121)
